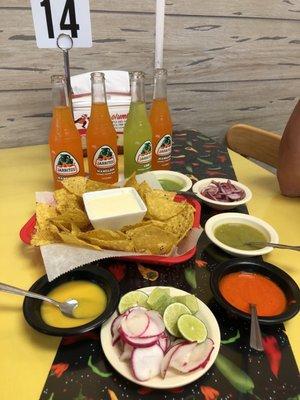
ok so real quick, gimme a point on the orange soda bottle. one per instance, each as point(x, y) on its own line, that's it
point(64, 139)
point(161, 123)
point(101, 136)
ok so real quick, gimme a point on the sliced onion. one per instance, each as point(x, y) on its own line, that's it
point(127, 352)
point(181, 356)
point(166, 360)
point(164, 341)
point(196, 359)
point(223, 191)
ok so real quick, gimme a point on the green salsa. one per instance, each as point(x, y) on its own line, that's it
point(168, 184)
point(236, 235)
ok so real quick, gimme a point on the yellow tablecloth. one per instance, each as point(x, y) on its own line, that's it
point(25, 355)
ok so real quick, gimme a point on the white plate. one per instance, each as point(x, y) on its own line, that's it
point(177, 177)
point(172, 380)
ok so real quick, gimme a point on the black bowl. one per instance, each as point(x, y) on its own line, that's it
point(91, 273)
point(282, 279)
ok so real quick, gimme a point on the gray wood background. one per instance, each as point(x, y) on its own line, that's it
point(229, 61)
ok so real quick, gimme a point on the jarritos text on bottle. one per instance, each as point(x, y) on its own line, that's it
point(64, 139)
point(101, 135)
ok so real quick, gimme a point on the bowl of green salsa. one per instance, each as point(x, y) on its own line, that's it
point(233, 231)
point(172, 181)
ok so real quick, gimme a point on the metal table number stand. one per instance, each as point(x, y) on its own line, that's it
point(65, 43)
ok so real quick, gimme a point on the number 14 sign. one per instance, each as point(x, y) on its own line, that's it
point(53, 17)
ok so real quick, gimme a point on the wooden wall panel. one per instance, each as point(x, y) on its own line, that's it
point(233, 60)
point(230, 8)
point(209, 108)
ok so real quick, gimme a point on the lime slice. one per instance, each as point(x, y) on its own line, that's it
point(190, 301)
point(171, 315)
point(132, 299)
point(158, 296)
point(192, 328)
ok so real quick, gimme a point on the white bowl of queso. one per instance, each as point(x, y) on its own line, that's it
point(114, 208)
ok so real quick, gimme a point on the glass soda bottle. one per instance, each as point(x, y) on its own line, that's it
point(137, 130)
point(64, 139)
point(101, 136)
point(161, 123)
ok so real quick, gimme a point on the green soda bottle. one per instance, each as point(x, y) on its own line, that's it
point(137, 130)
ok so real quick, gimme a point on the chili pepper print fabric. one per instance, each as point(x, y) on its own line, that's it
point(81, 372)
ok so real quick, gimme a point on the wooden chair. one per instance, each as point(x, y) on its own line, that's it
point(253, 142)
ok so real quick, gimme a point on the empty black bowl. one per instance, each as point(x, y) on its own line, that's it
point(91, 273)
point(281, 278)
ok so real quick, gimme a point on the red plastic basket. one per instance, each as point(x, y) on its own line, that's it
point(28, 229)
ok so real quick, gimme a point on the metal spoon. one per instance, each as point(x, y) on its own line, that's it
point(255, 333)
point(66, 307)
point(275, 245)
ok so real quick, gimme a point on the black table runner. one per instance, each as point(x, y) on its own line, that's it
point(81, 372)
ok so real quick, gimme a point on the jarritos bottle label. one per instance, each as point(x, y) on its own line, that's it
point(144, 154)
point(105, 160)
point(164, 148)
point(65, 164)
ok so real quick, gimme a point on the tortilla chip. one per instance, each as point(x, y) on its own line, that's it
point(75, 185)
point(153, 240)
point(92, 186)
point(75, 230)
point(65, 200)
point(143, 189)
point(119, 245)
point(45, 236)
point(77, 216)
point(44, 212)
point(130, 228)
point(181, 223)
point(162, 209)
point(164, 194)
point(103, 234)
point(132, 182)
point(68, 238)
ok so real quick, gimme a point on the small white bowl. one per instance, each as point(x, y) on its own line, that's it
point(177, 177)
point(221, 205)
point(114, 208)
point(220, 219)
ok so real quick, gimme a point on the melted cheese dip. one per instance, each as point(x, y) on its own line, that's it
point(91, 303)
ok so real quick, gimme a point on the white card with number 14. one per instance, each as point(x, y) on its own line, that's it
point(53, 17)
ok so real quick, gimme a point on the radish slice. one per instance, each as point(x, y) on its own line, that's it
point(145, 363)
point(182, 355)
point(135, 308)
point(197, 358)
point(114, 329)
point(139, 342)
point(156, 325)
point(167, 358)
point(135, 323)
point(127, 352)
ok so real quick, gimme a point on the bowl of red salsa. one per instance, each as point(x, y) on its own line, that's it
point(238, 282)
